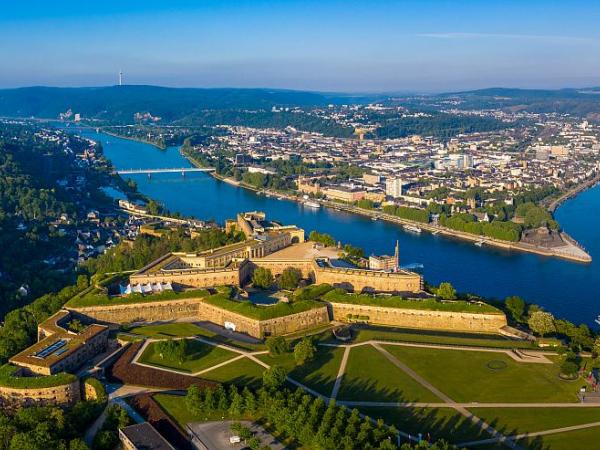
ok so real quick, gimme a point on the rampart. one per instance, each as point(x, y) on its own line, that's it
point(12, 399)
point(196, 309)
point(358, 280)
point(421, 319)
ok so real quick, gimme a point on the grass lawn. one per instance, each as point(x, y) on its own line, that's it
point(243, 372)
point(573, 440)
point(185, 329)
point(432, 337)
point(169, 330)
point(370, 376)
point(440, 423)
point(465, 376)
point(318, 374)
point(511, 421)
point(200, 356)
point(174, 406)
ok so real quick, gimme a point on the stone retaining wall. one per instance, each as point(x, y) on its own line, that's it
point(417, 318)
point(12, 399)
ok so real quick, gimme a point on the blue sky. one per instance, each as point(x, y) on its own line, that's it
point(420, 45)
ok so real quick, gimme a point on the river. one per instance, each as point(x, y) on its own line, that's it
point(566, 289)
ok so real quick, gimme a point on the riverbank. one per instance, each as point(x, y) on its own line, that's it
point(129, 138)
point(571, 251)
point(552, 207)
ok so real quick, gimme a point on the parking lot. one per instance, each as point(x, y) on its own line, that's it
point(215, 436)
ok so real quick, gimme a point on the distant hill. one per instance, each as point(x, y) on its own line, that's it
point(120, 103)
point(583, 102)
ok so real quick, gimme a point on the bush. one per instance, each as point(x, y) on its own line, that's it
point(274, 377)
point(290, 278)
point(262, 278)
point(304, 351)
point(277, 345)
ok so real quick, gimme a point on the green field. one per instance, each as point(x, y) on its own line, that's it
point(169, 330)
point(587, 439)
point(184, 329)
point(243, 372)
point(200, 356)
point(465, 376)
point(510, 421)
point(440, 423)
point(433, 337)
point(318, 374)
point(370, 376)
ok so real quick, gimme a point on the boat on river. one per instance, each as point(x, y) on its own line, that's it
point(412, 229)
point(312, 204)
point(598, 320)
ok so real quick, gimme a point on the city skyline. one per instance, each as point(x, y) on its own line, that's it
point(432, 46)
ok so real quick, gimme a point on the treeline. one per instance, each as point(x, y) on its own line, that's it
point(30, 199)
point(20, 325)
point(299, 416)
point(405, 212)
point(145, 248)
point(506, 231)
point(438, 125)
point(267, 119)
point(322, 238)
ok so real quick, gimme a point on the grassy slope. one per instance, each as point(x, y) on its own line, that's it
point(200, 356)
point(243, 372)
point(464, 376)
point(370, 376)
point(318, 374)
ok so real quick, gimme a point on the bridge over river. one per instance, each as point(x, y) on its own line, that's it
point(181, 170)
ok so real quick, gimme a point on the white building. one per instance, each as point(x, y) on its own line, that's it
point(393, 187)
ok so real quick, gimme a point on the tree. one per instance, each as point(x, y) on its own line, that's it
point(569, 368)
point(541, 322)
point(446, 291)
point(277, 345)
point(78, 444)
point(274, 377)
point(516, 307)
point(290, 278)
point(262, 278)
point(596, 347)
point(304, 351)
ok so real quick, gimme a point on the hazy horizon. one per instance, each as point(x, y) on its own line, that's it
point(356, 46)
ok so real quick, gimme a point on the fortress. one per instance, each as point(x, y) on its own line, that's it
point(273, 246)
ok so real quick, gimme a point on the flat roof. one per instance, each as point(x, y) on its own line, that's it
point(145, 437)
point(57, 346)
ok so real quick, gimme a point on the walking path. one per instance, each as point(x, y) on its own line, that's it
point(530, 356)
point(537, 433)
point(340, 375)
point(427, 385)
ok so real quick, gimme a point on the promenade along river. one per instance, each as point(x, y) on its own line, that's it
point(567, 289)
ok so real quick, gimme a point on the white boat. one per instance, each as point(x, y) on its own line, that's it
point(479, 243)
point(598, 320)
point(412, 229)
point(312, 204)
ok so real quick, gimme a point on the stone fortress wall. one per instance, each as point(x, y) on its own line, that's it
point(358, 280)
point(421, 319)
point(196, 309)
point(12, 399)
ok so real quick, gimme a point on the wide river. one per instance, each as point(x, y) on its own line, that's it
point(567, 289)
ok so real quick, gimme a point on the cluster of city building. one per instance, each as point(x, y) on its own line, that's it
point(535, 151)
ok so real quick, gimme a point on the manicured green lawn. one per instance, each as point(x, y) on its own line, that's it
point(511, 421)
point(174, 406)
point(243, 372)
point(432, 337)
point(169, 330)
point(370, 376)
point(184, 329)
point(465, 376)
point(200, 356)
point(318, 374)
point(587, 439)
point(440, 423)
